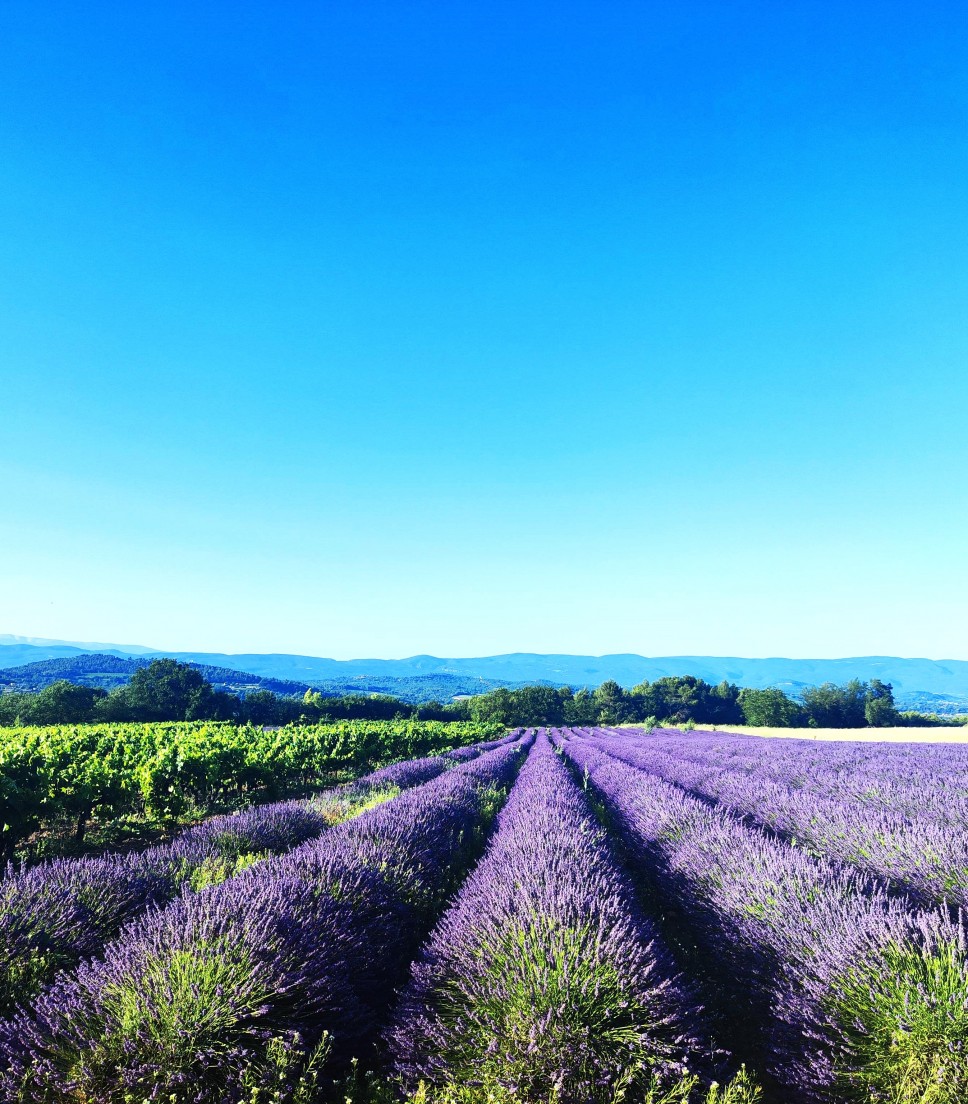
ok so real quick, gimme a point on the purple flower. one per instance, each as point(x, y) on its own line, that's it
point(200, 992)
point(787, 936)
point(544, 975)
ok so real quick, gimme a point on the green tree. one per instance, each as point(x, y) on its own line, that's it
point(16, 707)
point(832, 706)
point(644, 701)
point(879, 708)
point(721, 705)
point(114, 706)
point(167, 690)
point(581, 708)
point(496, 707)
point(677, 698)
point(770, 708)
point(537, 705)
point(614, 706)
point(65, 702)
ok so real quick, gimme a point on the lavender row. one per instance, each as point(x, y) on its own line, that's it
point(850, 996)
point(543, 977)
point(54, 914)
point(254, 985)
point(465, 754)
point(925, 859)
point(922, 781)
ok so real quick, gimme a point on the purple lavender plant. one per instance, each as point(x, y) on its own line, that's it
point(55, 914)
point(191, 1001)
point(847, 805)
point(855, 996)
point(544, 978)
point(463, 754)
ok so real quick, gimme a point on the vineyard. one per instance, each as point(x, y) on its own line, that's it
point(563, 916)
point(57, 779)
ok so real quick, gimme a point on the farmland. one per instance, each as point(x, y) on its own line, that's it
point(569, 916)
point(57, 780)
point(953, 734)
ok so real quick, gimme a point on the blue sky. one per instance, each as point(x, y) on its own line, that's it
point(385, 328)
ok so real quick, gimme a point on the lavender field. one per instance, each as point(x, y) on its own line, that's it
point(570, 916)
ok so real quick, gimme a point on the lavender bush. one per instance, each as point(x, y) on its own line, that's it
point(229, 990)
point(54, 914)
point(544, 980)
point(855, 997)
point(853, 809)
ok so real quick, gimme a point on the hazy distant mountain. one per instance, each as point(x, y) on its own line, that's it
point(415, 688)
point(109, 671)
point(915, 681)
point(84, 646)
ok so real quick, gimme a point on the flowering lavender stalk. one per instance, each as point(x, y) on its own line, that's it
point(195, 1002)
point(820, 807)
point(54, 914)
point(923, 781)
point(854, 996)
point(463, 754)
point(544, 978)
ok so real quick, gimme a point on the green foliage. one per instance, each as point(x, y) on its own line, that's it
point(167, 690)
point(741, 1090)
point(907, 1024)
point(178, 1004)
point(832, 706)
point(879, 711)
point(58, 778)
point(290, 1073)
point(681, 698)
point(770, 708)
point(550, 974)
point(336, 809)
point(614, 705)
point(580, 708)
point(529, 706)
point(911, 719)
point(856, 704)
point(853, 705)
point(676, 700)
point(61, 702)
point(217, 869)
point(183, 999)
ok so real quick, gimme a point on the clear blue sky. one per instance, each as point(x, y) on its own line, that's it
point(381, 328)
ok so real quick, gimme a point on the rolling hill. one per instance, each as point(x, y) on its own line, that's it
point(108, 671)
point(918, 683)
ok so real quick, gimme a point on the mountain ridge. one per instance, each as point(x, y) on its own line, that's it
point(108, 671)
point(915, 680)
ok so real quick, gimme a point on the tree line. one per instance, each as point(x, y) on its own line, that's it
point(167, 690)
point(685, 699)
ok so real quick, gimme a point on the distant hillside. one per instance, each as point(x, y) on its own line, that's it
point(943, 683)
point(82, 645)
point(416, 689)
point(111, 671)
point(942, 704)
point(104, 671)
